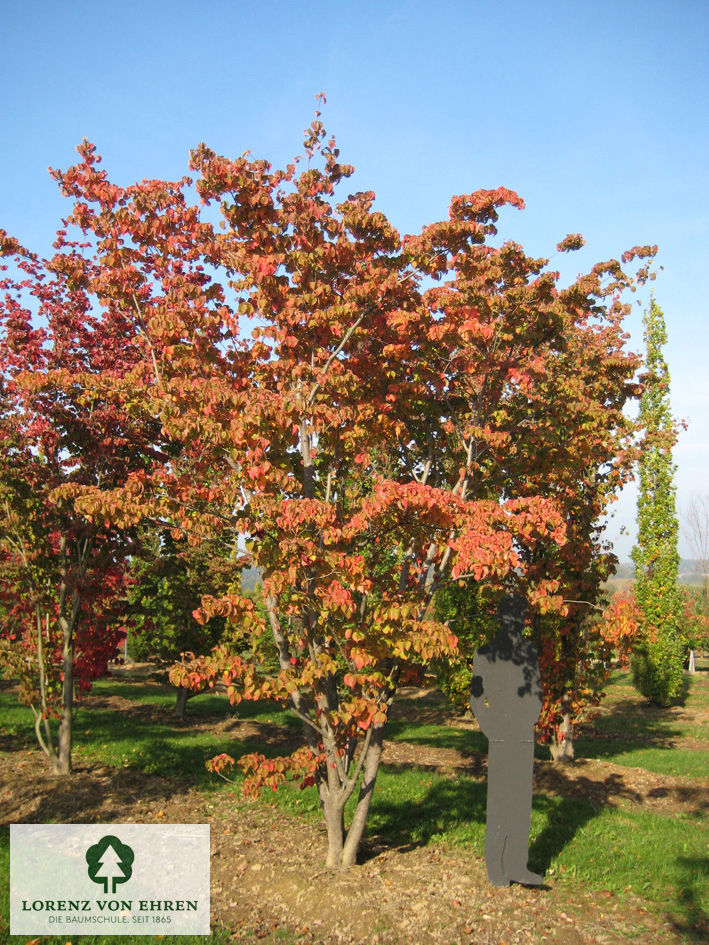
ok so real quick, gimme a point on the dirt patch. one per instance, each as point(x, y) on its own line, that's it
point(268, 879)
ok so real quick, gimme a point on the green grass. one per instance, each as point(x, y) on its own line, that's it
point(661, 760)
point(162, 746)
point(437, 736)
point(638, 735)
point(446, 736)
point(660, 858)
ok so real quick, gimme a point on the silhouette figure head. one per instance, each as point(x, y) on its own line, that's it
point(511, 612)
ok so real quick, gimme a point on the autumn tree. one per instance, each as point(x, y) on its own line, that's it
point(355, 405)
point(695, 624)
point(657, 666)
point(574, 446)
point(619, 627)
point(62, 573)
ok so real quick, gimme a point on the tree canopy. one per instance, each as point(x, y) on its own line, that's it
point(366, 417)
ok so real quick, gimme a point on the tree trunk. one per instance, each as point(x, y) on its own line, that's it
point(68, 619)
point(41, 718)
point(333, 808)
point(359, 820)
point(181, 702)
point(562, 745)
point(343, 845)
point(62, 764)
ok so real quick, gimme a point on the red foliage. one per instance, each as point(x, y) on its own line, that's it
point(620, 626)
point(62, 348)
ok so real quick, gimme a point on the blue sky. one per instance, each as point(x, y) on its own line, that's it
point(595, 112)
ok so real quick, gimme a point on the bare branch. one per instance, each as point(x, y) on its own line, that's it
point(144, 332)
point(345, 338)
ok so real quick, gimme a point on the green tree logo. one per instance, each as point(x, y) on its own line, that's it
point(110, 862)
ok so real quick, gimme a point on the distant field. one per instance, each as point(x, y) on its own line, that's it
point(690, 573)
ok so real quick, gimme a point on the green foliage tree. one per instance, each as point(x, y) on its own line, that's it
point(469, 610)
point(167, 580)
point(657, 663)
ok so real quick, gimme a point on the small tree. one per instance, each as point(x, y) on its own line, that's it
point(63, 572)
point(658, 660)
point(577, 449)
point(619, 627)
point(695, 623)
point(167, 579)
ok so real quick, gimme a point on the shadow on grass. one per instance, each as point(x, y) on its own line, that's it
point(692, 920)
point(469, 743)
point(448, 805)
point(564, 817)
point(160, 698)
point(456, 810)
point(627, 726)
point(437, 736)
point(630, 720)
point(170, 749)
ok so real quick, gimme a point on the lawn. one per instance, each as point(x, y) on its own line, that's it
point(606, 836)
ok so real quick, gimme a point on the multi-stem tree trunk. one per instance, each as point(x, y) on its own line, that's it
point(340, 776)
point(57, 752)
point(343, 844)
point(181, 699)
point(62, 766)
point(366, 790)
point(42, 726)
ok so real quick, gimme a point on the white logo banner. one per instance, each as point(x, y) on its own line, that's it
point(109, 879)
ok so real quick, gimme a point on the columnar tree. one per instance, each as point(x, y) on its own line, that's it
point(657, 665)
point(356, 405)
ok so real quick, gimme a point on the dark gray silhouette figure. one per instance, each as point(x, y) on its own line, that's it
point(505, 696)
